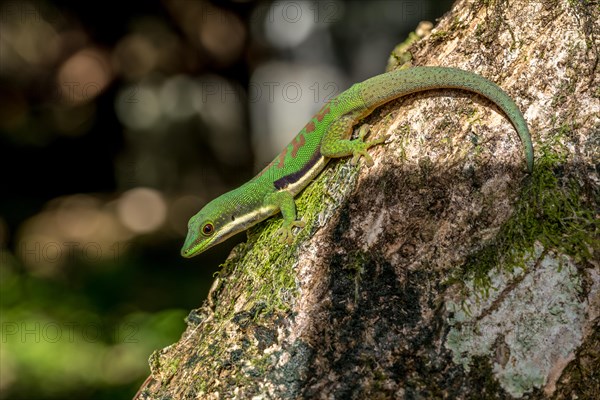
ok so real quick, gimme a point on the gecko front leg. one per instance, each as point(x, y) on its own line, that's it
point(285, 202)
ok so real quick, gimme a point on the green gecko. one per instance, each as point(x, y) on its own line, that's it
point(328, 135)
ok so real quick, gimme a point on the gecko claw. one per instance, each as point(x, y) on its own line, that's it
point(377, 141)
point(285, 232)
point(362, 153)
point(361, 146)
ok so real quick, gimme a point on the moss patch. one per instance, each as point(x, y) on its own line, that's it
point(551, 210)
point(267, 274)
point(255, 291)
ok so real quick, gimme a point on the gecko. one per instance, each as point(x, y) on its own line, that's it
point(329, 135)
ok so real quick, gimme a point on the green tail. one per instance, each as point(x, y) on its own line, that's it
point(380, 89)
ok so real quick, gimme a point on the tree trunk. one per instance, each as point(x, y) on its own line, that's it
point(445, 270)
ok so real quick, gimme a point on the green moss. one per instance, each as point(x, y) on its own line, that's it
point(264, 269)
point(565, 91)
point(439, 35)
point(402, 136)
point(257, 285)
point(167, 371)
point(171, 368)
point(355, 268)
point(550, 211)
point(400, 57)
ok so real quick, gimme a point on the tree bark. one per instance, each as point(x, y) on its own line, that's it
point(445, 270)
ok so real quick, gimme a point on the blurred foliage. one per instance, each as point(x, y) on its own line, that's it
point(61, 341)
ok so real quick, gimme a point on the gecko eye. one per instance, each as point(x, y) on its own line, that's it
point(208, 229)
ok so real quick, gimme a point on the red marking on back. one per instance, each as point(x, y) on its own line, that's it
point(323, 112)
point(310, 127)
point(297, 143)
point(281, 163)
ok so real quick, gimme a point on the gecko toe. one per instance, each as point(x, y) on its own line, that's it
point(285, 232)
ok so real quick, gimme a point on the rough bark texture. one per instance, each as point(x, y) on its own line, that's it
point(444, 271)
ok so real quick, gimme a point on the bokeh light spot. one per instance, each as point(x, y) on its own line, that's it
point(135, 56)
point(78, 217)
point(288, 23)
point(223, 34)
point(176, 97)
point(138, 106)
point(83, 76)
point(142, 210)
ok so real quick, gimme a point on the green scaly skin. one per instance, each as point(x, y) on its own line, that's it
point(327, 135)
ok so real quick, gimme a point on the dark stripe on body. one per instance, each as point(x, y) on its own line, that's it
point(290, 179)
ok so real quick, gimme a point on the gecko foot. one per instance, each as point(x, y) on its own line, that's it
point(361, 147)
point(285, 232)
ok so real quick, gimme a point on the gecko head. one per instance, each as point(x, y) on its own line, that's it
point(213, 224)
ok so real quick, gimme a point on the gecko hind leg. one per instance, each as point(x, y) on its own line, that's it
point(336, 142)
point(361, 146)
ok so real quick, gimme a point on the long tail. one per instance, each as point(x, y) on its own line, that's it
point(381, 88)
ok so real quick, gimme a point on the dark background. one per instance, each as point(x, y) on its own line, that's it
point(118, 121)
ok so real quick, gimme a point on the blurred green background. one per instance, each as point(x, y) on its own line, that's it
point(118, 121)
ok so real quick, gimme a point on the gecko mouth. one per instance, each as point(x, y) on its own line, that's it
point(194, 245)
